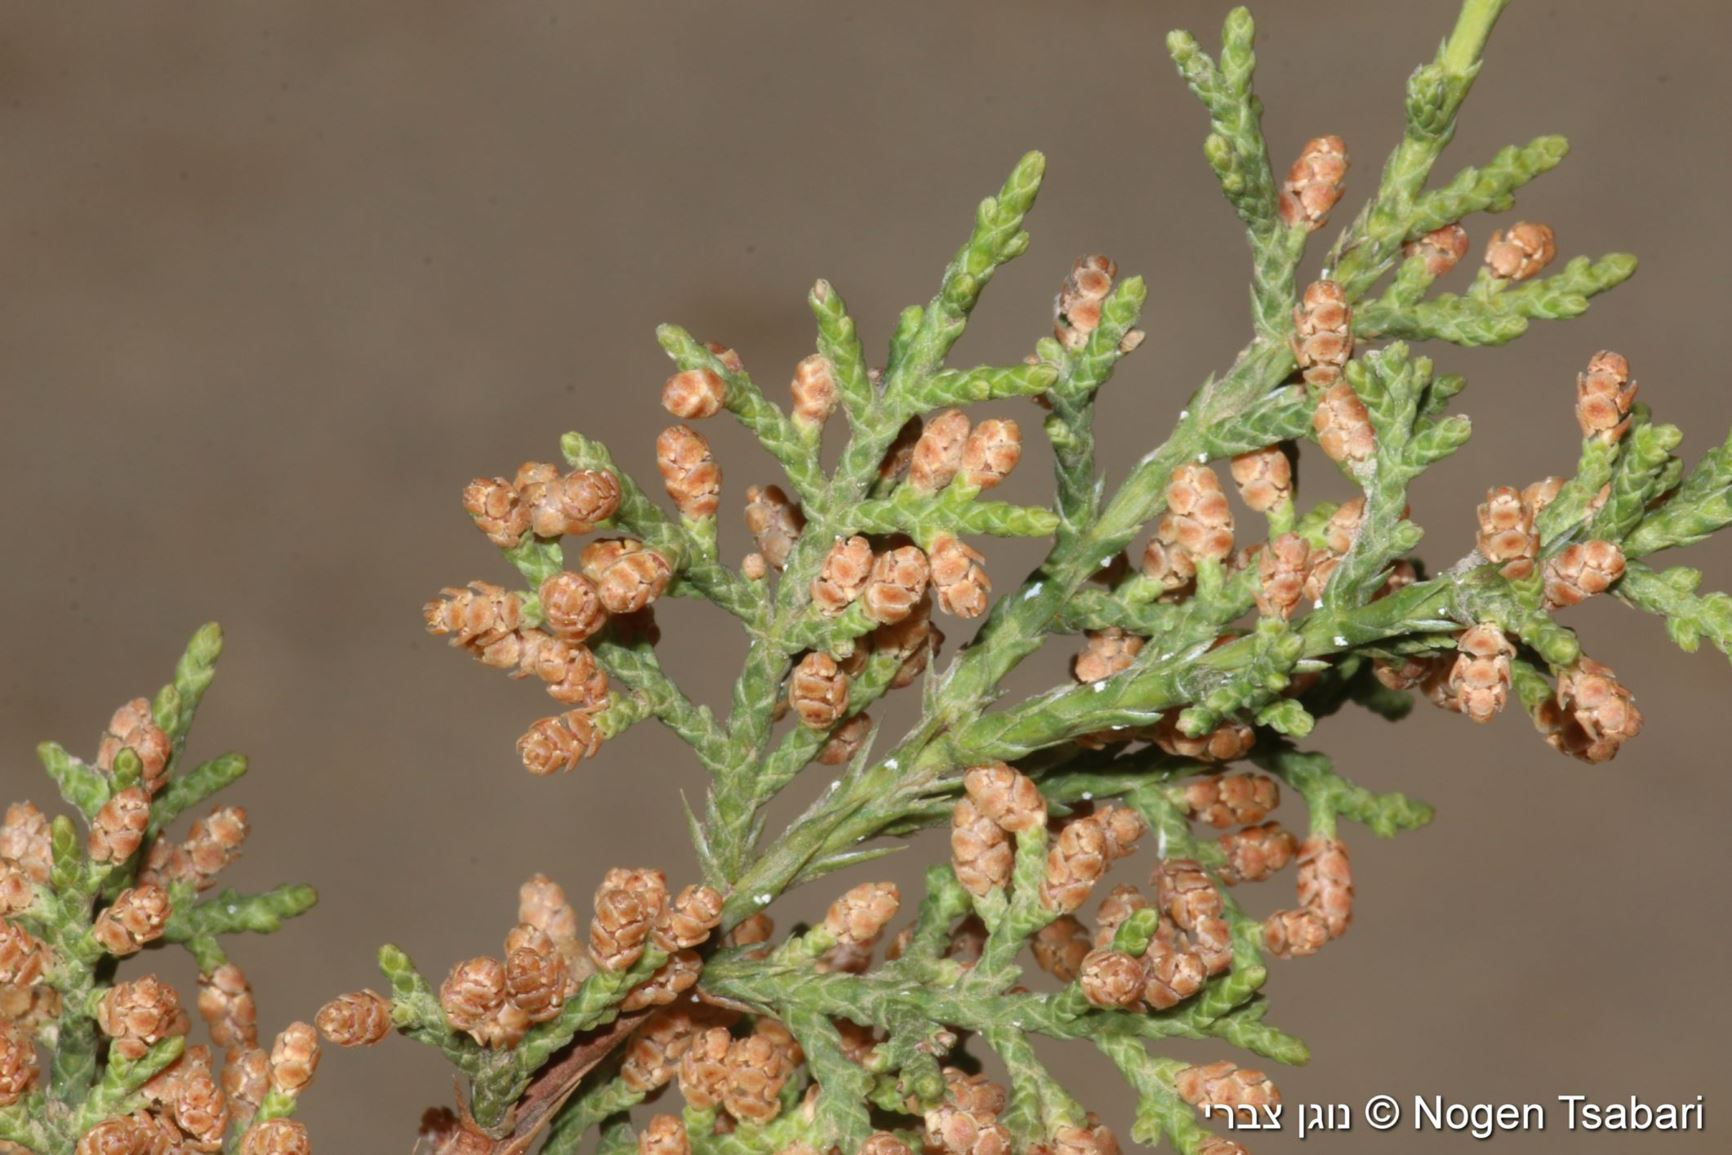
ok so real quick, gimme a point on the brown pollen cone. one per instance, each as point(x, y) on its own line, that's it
point(689, 471)
point(1314, 183)
point(1322, 333)
point(1519, 252)
point(358, 1019)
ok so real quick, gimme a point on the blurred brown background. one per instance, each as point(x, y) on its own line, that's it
point(283, 277)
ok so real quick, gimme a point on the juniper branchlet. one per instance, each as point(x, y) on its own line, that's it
point(117, 1073)
point(1199, 676)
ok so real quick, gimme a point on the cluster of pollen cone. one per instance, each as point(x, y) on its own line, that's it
point(1150, 948)
point(1591, 714)
point(208, 1092)
point(891, 581)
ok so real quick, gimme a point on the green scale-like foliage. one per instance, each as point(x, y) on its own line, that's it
point(1209, 660)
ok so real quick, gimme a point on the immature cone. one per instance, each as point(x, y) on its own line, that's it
point(1256, 853)
point(189, 1092)
point(359, 1019)
point(213, 843)
point(774, 521)
point(703, 1069)
point(843, 576)
point(1542, 493)
point(536, 973)
point(914, 639)
point(1165, 561)
point(1201, 521)
point(1230, 740)
point(670, 980)
point(1232, 799)
point(246, 1080)
point(135, 1134)
point(884, 1143)
point(1326, 882)
point(1480, 678)
point(752, 931)
point(1077, 309)
point(758, 1067)
point(959, 577)
point(694, 393)
point(1342, 528)
point(818, 691)
point(1322, 333)
point(689, 919)
point(1060, 946)
point(1410, 673)
point(276, 1137)
point(1342, 425)
point(1281, 572)
point(498, 509)
point(1105, 653)
point(845, 741)
point(1111, 978)
point(900, 452)
point(294, 1058)
point(137, 916)
point(541, 903)
point(980, 850)
point(1264, 477)
point(134, 728)
point(476, 616)
point(991, 452)
point(575, 503)
point(1604, 396)
point(1075, 863)
point(955, 1130)
point(628, 575)
point(1183, 893)
point(118, 828)
point(1441, 249)
point(627, 905)
point(896, 585)
point(1171, 974)
point(860, 915)
point(1225, 1084)
point(1007, 797)
point(1094, 1139)
point(17, 1064)
point(1294, 934)
point(1593, 714)
point(571, 607)
point(17, 892)
point(1582, 570)
point(1313, 184)
point(139, 1014)
point(937, 454)
point(1212, 940)
point(25, 841)
point(689, 471)
point(225, 1003)
point(1520, 251)
point(1506, 530)
point(572, 675)
point(653, 1055)
point(472, 995)
point(814, 391)
point(1121, 827)
point(1120, 903)
point(555, 745)
point(664, 1135)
